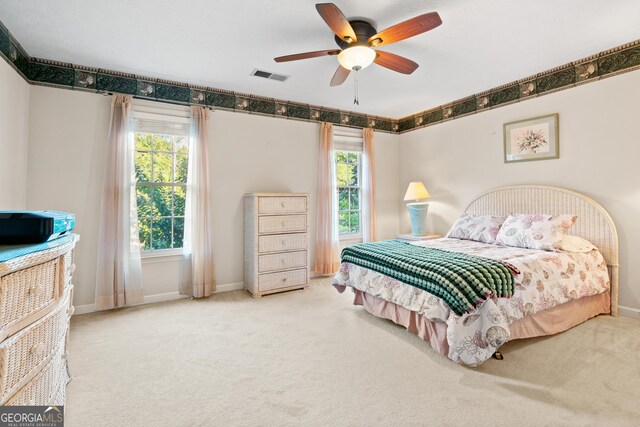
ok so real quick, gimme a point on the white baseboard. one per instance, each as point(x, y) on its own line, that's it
point(169, 296)
point(629, 312)
point(229, 287)
point(83, 309)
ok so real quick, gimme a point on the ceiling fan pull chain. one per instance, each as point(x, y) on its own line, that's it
point(356, 101)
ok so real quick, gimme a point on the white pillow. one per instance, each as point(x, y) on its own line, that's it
point(576, 244)
point(535, 231)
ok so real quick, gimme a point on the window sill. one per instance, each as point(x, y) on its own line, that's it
point(164, 255)
point(351, 239)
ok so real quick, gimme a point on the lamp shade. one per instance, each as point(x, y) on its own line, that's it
point(416, 191)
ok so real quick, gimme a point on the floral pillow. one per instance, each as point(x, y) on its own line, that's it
point(535, 231)
point(481, 228)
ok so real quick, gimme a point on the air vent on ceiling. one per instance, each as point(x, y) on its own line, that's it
point(268, 75)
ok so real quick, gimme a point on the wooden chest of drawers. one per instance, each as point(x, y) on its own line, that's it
point(35, 308)
point(276, 242)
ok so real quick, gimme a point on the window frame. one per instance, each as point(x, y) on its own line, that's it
point(171, 118)
point(347, 139)
point(350, 236)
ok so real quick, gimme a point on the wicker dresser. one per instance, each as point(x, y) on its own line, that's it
point(276, 242)
point(35, 308)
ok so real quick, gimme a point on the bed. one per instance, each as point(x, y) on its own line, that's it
point(554, 291)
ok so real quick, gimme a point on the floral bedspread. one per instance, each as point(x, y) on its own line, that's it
point(544, 280)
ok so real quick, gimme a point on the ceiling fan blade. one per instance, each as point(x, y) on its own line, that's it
point(395, 62)
point(336, 20)
point(404, 30)
point(340, 76)
point(306, 55)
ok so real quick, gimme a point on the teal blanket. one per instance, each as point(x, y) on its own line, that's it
point(462, 281)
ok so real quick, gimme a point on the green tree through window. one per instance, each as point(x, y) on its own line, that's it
point(348, 188)
point(161, 163)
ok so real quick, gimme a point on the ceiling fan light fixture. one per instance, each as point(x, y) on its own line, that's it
point(356, 56)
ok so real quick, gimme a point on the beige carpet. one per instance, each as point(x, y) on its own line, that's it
point(311, 358)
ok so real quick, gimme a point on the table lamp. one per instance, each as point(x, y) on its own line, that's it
point(417, 209)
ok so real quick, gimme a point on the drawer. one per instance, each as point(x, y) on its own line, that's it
point(25, 292)
point(267, 282)
point(280, 205)
point(282, 242)
point(25, 353)
point(283, 261)
point(282, 224)
point(44, 387)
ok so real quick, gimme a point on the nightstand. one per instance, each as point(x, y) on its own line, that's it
point(412, 238)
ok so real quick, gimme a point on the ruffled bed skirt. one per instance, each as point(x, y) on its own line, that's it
point(547, 322)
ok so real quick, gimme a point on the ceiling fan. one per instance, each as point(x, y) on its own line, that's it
point(358, 38)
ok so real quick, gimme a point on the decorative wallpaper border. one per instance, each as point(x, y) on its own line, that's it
point(75, 77)
point(44, 72)
point(608, 63)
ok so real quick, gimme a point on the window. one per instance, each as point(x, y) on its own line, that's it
point(348, 188)
point(347, 146)
point(161, 164)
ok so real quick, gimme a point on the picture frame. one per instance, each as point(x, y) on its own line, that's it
point(532, 139)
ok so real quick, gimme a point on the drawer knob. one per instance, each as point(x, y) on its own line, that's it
point(283, 204)
point(282, 261)
point(284, 279)
point(37, 349)
point(35, 290)
point(283, 242)
point(282, 224)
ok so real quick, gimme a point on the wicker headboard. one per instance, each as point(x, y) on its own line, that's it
point(593, 224)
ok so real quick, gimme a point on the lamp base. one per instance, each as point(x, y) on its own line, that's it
point(418, 215)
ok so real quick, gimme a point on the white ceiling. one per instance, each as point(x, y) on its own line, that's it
point(480, 45)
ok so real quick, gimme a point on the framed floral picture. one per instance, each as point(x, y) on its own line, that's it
point(532, 139)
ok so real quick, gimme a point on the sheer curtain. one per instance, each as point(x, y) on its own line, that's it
point(327, 260)
point(198, 278)
point(368, 188)
point(119, 273)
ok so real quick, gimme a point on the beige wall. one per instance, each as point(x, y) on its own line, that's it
point(248, 153)
point(456, 160)
point(67, 146)
point(599, 156)
point(14, 126)
point(253, 153)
